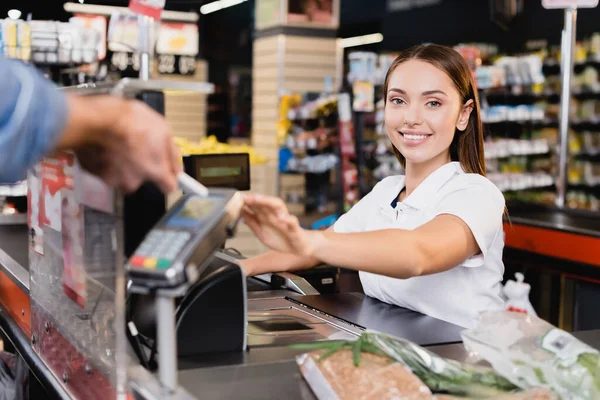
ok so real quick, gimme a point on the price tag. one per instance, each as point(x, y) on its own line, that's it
point(150, 8)
point(126, 63)
point(550, 4)
point(187, 65)
point(177, 65)
point(166, 64)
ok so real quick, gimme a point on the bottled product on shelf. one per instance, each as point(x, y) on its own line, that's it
point(309, 154)
point(583, 176)
point(520, 128)
point(49, 42)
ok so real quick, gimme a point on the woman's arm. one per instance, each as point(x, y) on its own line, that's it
point(437, 246)
point(434, 247)
point(276, 261)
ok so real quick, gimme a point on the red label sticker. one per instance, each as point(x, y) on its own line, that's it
point(56, 174)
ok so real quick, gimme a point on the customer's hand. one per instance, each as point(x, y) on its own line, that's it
point(271, 222)
point(124, 142)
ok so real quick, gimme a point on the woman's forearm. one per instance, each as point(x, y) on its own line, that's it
point(274, 261)
point(391, 252)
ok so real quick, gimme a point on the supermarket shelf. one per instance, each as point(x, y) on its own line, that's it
point(508, 155)
point(536, 122)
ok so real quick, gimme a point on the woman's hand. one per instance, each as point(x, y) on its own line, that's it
point(272, 223)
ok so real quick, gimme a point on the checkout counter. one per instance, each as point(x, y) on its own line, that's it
point(558, 250)
point(256, 320)
point(186, 323)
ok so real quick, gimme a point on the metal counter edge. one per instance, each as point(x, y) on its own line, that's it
point(22, 344)
point(17, 273)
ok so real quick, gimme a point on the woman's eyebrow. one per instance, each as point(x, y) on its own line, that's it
point(425, 93)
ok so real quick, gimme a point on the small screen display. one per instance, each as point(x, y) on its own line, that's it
point(193, 212)
point(213, 172)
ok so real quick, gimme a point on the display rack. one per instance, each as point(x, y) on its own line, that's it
point(309, 154)
point(50, 46)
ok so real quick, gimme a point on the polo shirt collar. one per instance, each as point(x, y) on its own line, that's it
point(426, 191)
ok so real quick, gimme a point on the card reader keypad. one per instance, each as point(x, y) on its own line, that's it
point(159, 249)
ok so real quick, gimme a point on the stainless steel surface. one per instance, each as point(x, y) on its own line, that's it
point(130, 86)
point(567, 50)
point(148, 387)
point(167, 342)
point(280, 322)
point(367, 313)
point(14, 219)
point(14, 241)
point(118, 245)
point(18, 274)
point(291, 282)
point(145, 66)
point(145, 48)
point(276, 380)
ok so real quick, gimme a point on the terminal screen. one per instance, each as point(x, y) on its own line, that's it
point(220, 172)
point(193, 212)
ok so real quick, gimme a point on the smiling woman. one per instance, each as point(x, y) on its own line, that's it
point(430, 240)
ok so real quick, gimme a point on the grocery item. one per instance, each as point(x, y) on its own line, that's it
point(437, 373)
point(532, 353)
point(377, 377)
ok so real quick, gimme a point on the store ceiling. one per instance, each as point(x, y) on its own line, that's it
point(353, 11)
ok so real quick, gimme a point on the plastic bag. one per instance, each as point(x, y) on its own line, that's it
point(517, 294)
point(531, 352)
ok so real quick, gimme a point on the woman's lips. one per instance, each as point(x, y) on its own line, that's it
point(414, 138)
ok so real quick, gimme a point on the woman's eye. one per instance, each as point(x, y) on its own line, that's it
point(397, 101)
point(434, 103)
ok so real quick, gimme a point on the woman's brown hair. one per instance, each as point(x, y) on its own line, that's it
point(467, 146)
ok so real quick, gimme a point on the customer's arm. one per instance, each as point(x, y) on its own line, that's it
point(32, 116)
point(122, 141)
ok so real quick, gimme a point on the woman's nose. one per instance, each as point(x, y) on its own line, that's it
point(412, 115)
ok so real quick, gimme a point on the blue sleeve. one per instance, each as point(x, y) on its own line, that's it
point(33, 113)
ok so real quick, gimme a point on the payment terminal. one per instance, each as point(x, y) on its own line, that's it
point(171, 258)
point(172, 255)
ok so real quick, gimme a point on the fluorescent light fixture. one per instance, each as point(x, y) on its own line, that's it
point(14, 14)
point(361, 40)
point(219, 5)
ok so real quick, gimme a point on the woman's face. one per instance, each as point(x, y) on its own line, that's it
point(423, 109)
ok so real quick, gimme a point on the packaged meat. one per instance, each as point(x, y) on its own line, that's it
point(376, 377)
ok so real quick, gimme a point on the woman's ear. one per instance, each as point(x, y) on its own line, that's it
point(463, 117)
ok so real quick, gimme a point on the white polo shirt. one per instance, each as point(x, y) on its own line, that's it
point(456, 295)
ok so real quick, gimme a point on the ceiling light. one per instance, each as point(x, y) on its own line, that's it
point(14, 14)
point(219, 5)
point(361, 40)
